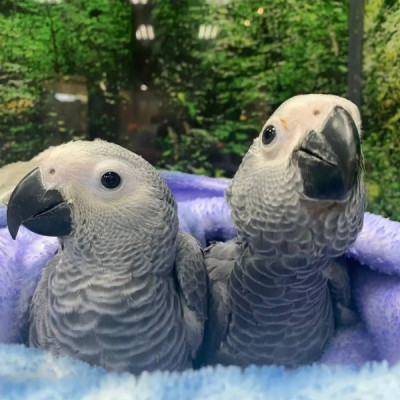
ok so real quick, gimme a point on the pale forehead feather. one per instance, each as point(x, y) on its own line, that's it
point(313, 109)
point(79, 152)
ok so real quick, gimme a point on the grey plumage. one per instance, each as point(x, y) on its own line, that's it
point(126, 291)
point(339, 285)
point(270, 300)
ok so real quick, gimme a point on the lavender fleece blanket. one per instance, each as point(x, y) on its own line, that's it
point(344, 372)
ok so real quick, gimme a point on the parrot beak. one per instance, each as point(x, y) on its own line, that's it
point(42, 211)
point(329, 160)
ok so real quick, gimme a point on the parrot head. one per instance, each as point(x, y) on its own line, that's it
point(98, 188)
point(303, 175)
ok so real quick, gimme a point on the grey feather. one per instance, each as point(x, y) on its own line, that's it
point(38, 328)
point(273, 292)
point(192, 280)
point(220, 261)
point(110, 295)
point(344, 310)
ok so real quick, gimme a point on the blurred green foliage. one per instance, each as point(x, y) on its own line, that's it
point(381, 110)
point(230, 85)
point(186, 152)
point(41, 43)
point(222, 89)
point(269, 51)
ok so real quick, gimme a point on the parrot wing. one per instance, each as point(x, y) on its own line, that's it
point(220, 260)
point(340, 290)
point(192, 281)
point(38, 328)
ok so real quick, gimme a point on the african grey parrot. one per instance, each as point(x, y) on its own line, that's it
point(125, 291)
point(297, 201)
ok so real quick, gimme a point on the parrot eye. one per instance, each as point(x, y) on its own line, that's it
point(110, 180)
point(268, 134)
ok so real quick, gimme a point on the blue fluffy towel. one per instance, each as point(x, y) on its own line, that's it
point(375, 265)
point(32, 374)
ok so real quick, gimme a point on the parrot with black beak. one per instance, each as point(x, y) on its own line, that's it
point(297, 202)
point(125, 290)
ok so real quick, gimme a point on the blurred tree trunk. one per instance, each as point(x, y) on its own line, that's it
point(103, 111)
point(356, 18)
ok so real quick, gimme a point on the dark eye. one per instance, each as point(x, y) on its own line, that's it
point(110, 180)
point(269, 134)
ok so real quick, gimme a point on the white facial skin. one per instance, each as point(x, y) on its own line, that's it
point(295, 118)
point(82, 175)
point(75, 169)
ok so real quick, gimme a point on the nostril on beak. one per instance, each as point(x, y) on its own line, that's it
point(52, 171)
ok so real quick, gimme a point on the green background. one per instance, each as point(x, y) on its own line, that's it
point(222, 89)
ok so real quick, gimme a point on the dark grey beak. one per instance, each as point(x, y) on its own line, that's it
point(41, 211)
point(330, 160)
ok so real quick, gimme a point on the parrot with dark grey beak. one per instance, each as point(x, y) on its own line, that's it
point(126, 290)
point(297, 202)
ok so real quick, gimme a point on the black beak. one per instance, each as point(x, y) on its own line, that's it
point(330, 160)
point(41, 211)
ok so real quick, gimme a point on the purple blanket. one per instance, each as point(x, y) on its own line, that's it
point(374, 260)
